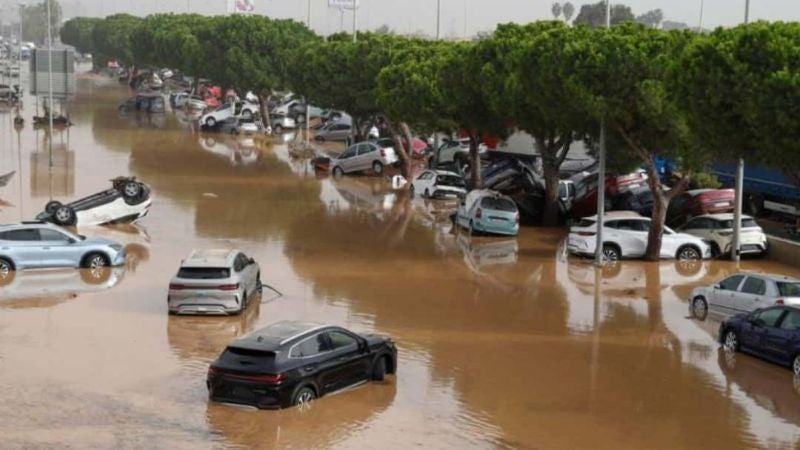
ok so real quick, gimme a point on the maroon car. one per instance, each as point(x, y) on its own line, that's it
point(585, 202)
point(698, 202)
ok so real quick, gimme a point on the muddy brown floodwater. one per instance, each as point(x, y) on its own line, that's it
point(504, 343)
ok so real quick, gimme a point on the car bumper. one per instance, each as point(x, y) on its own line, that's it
point(497, 228)
point(582, 247)
point(211, 305)
point(118, 259)
point(445, 193)
point(261, 396)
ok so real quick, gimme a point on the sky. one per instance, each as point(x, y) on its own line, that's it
point(459, 17)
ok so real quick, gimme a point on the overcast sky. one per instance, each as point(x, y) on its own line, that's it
point(458, 16)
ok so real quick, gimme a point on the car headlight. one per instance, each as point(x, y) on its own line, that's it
point(115, 247)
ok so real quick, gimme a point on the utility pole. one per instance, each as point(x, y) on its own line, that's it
point(601, 175)
point(702, 7)
point(50, 80)
point(355, 27)
point(736, 245)
point(438, 19)
point(308, 18)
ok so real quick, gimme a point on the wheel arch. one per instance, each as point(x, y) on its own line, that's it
point(689, 245)
point(89, 253)
point(10, 261)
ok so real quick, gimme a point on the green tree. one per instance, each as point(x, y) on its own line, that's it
point(542, 103)
point(34, 21)
point(78, 32)
point(113, 38)
point(651, 18)
point(568, 10)
point(622, 74)
point(740, 88)
point(594, 15)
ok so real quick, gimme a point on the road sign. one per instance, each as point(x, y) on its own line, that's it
point(63, 73)
point(343, 4)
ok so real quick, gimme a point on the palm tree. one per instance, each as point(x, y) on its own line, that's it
point(556, 10)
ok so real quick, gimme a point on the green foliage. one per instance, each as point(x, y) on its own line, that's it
point(34, 21)
point(740, 88)
point(704, 180)
point(78, 32)
point(594, 15)
point(113, 37)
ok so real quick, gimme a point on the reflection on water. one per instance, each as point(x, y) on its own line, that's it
point(37, 288)
point(504, 343)
point(56, 179)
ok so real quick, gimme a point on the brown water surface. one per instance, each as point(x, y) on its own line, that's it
point(504, 343)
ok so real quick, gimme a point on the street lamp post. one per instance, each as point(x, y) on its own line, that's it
point(438, 19)
point(308, 17)
point(736, 245)
point(601, 175)
point(702, 7)
point(355, 18)
point(50, 80)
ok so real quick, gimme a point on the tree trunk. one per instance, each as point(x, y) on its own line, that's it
point(551, 201)
point(657, 223)
point(475, 161)
point(263, 105)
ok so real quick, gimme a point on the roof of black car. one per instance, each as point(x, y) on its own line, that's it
point(272, 337)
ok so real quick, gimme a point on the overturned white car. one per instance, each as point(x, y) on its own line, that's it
point(126, 202)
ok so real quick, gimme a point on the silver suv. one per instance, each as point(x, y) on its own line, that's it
point(214, 282)
point(33, 245)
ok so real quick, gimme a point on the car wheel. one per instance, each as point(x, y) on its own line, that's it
point(259, 286)
point(247, 114)
point(211, 122)
point(377, 167)
point(611, 253)
point(700, 308)
point(6, 271)
point(715, 250)
point(379, 369)
point(64, 216)
point(796, 366)
point(338, 172)
point(688, 253)
point(411, 191)
point(731, 342)
point(52, 206)
point(303, 397)
point(131, 190)
point(278, 129)
point(95, 261)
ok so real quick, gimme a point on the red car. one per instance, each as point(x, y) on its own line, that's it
point(584, 203)
point(698, 202)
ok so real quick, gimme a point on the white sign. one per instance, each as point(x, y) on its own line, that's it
point(241, 6)
point(343, 4)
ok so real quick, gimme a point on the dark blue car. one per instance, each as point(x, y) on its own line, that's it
point(769, 333)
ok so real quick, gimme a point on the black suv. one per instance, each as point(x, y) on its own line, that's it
point(292, 363)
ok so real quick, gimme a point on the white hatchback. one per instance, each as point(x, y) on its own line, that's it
point(439, 184)
point(625, 235)
point(717, 230)
point(744, 293)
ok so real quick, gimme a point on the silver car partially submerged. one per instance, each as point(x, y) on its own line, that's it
point(214, 282)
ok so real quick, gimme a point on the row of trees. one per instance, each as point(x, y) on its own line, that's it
point(680, 95)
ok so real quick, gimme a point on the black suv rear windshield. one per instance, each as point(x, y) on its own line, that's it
point(499, 204)
point(247, 359)
point(204, 273)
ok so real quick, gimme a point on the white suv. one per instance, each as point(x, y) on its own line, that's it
point(216, 282)
point(237, 108)
point(625, 236)
point(717, 230)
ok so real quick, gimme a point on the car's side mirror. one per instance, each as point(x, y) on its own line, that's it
point(251, 261)
point(363, 346)
point(717, 286)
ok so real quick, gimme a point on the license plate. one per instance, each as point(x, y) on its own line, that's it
point(722, 204)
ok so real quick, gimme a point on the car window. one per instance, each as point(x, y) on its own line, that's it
point(52, 235)
point(426, 176)
point(312, 346)
point(499, 204)
point(755, 286)
point(792, 321)
point(699, 224)
point(450, 180)
point(731, 283)
point(632, 225)
point(769, 317)
point(746, 223)
point(204, 273)
point(20, 235)
point(350, 152)
point(787, 289)
point(341, 340)
point(363, 149)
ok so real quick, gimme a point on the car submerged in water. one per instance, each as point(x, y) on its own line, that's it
point(126, 202)
point(485, 211)
point(293, 363)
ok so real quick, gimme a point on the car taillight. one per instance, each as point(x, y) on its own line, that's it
point(176, 287)
point(229, 287)
point(212, 371)
point(779, 301)
point(383, 153)
point(478, 213)
point(261, 378)
point(586, 233)
point(517, 218)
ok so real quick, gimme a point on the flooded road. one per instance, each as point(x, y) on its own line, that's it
point(503, 343)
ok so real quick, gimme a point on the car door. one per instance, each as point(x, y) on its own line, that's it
point(751, 295)
point(317, 361)
point(756, 329)
point(781, 341)
point(58, 249)
point(346, 159)
point(251, 273)
point(24, 247)
point(632, 237)
point(670, 243)
point(701, 227)
point(341, 131)
point(353, 362)
point(723, 293)
point(363, 157)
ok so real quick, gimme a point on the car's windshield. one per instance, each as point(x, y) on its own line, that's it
point(204, 273)
point(450, 180)
point(499, 204)
point(586, 223)
point(787, 289)
point(746, 223)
